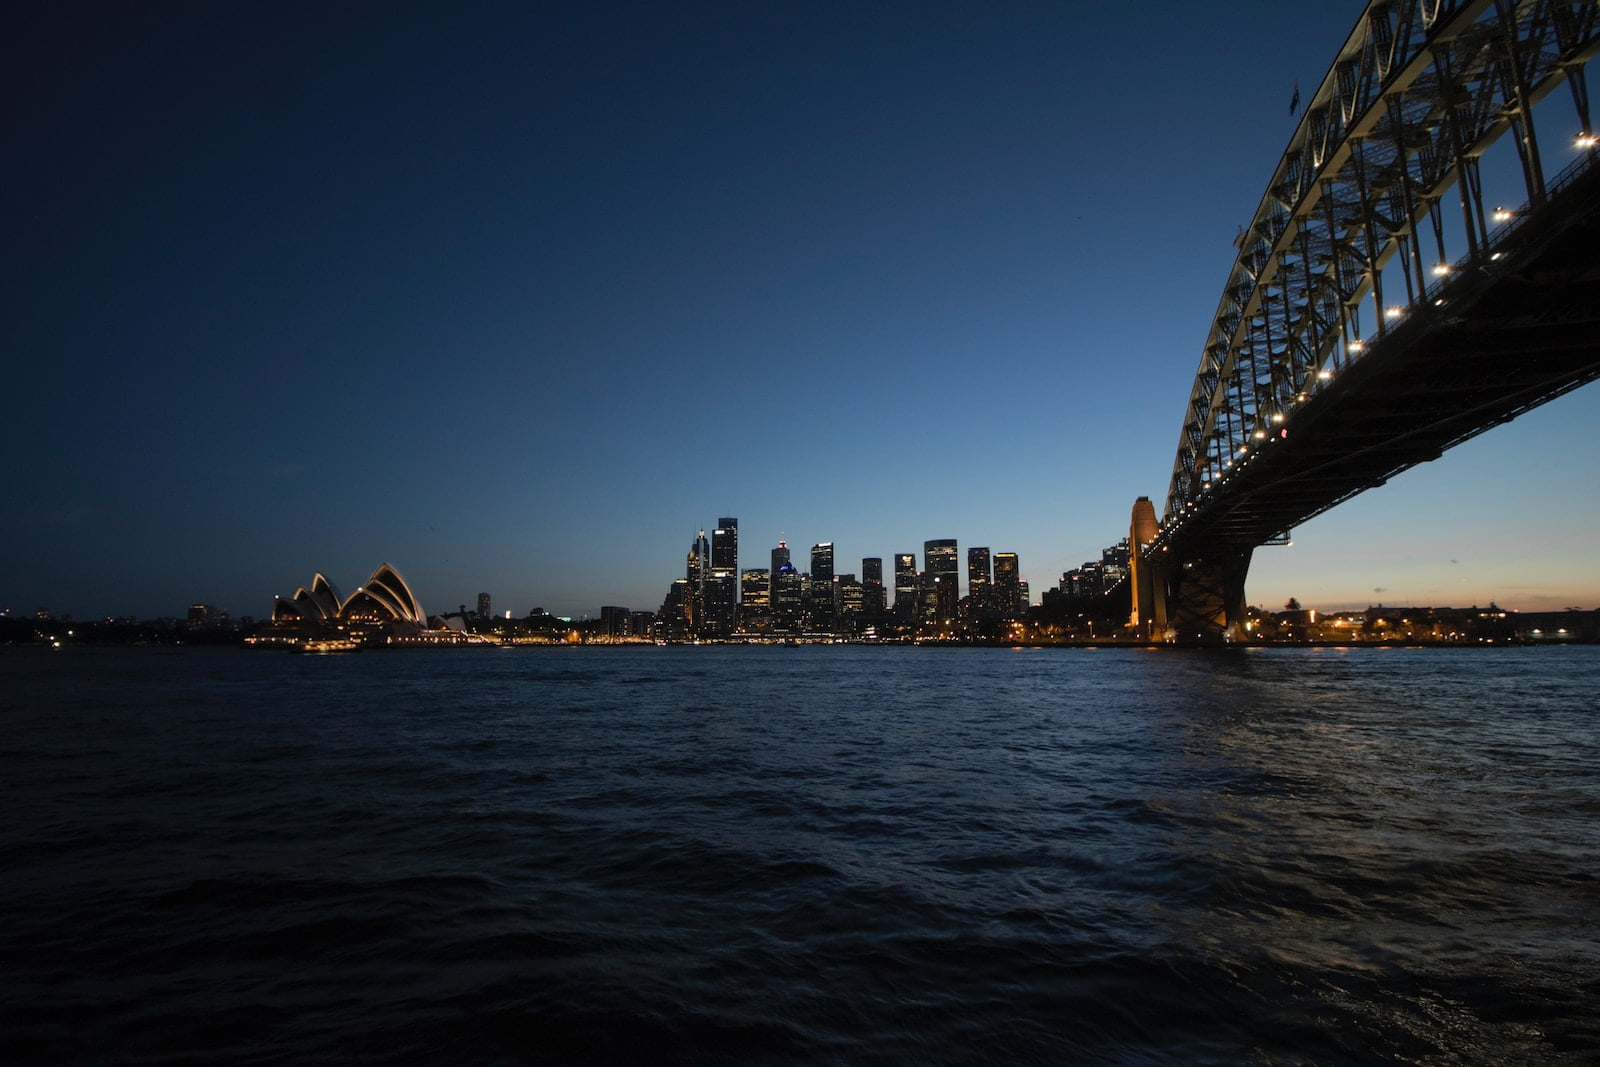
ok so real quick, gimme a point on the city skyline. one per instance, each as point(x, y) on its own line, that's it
point(717, 597)
point(504, 296)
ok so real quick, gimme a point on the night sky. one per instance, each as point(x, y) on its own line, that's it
point(518, 298)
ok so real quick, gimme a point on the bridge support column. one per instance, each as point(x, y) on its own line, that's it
point(1147, 577)
point(1205, 597)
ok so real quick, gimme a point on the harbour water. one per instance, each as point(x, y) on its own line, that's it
point(813, 855)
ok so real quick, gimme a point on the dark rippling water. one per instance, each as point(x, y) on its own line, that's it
point(817, 855)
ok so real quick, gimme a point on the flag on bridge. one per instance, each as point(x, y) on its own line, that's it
point(1294, 104)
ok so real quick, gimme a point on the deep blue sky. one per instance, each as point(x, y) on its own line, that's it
point(518, 298)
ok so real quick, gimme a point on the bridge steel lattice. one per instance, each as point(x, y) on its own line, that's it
point(1294, 408)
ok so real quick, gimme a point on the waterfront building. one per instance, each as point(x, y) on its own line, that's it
point(755, 600)
point(848, 597)
point(697, 564)
point(616, 621)
point(942, 574)
point(674, 620)
point(873, 602)
point(822, 561)
point(695, 568)
point(725, 546)
point(722, 588)
point(382, 607)
point(942, 601)
point(980, 582)
point(204, 616)
point(1115, 565)
point(719, 603)
point(1097, 577)
point(906, 590)
point(785, 592)
point(1007, 582)
point(821, 613)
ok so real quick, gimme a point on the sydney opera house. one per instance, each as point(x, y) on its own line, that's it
point(383, 610)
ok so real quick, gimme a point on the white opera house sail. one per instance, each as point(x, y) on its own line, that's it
point(382, 609)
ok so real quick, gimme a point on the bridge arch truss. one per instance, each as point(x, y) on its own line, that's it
point(1390, 142)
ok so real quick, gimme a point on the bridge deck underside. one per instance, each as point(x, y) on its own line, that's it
point(1504, 342)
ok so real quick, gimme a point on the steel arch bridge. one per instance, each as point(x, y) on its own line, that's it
point(1348, 346)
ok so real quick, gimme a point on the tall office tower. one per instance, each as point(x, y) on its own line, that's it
point(724, 572)
point(725, 546)
point(940, 600)
point(676, 611)
point(483, 605)
point(940, 558)
point(873, 603)
point(755, 601)
point(849, 604)
point(695, 571)
point(820, 613)
point(786, 603)
point(942, 571)
point(822, 562)
point(905, 588)
point(980, 583)
point(719, 595)
point(695, 567)
point(1007, 579)
point(1024, 598)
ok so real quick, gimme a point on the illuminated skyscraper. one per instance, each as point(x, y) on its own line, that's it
point(719, 596)
point(1007, 583)
point(942, 578)
point(674, 620)
point(849, 606)
point(906, 592)
point(722, 582)
point(873, 602)
point(822, 562)
point(755, 601)
point(940, 558)
point(820, 608)
point(725, 546)
point(785, 591)
point(980, 584)
point(697, 564)
point(695, 572)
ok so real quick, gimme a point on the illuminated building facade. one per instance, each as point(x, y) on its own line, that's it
point(980, 583)
point(725, 547)
point(941, 581)
point(874, 604)
point(785, 592)
point(907, 591)
point(755, 600)
point(383, 607)
point(721, 592)
point(820, 608)
point(1008, 583)
point(716, 601)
